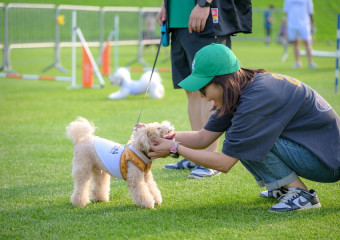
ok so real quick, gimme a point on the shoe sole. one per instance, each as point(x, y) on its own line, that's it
point(198, 177)
point(268, 197)
point(167, 168)
point(180, 166)
point(263, 196)
point(318, 205)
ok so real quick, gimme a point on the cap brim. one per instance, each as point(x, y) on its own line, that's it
point(194, 83)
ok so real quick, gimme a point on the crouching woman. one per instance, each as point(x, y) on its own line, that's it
point(278, 127)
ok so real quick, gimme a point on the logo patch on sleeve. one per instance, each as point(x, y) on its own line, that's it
point(321, 104)
point(214, 13)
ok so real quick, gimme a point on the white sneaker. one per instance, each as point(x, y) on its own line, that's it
point(312, 65)
point(297, 65)
point(297, 199)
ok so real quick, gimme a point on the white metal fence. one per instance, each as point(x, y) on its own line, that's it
point(48, 25)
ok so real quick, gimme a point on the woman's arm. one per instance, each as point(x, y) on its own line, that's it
point(213, 160)
point(197, 139)
point(190, 140)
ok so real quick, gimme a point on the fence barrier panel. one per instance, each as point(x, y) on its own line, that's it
point(50, 26)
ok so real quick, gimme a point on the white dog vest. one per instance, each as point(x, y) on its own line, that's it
point(110, 153)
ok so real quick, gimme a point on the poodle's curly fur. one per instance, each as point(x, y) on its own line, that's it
point(88, 168)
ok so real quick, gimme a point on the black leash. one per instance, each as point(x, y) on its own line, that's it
point(153, 69)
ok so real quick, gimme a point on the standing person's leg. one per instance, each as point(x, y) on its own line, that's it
point(199, 111)
point(198, 108)
point(183, 49)
point(293, 34)
point(306, 37)
point(296, 47)
point(308, 48)
point(180, 70)
point(268, 32)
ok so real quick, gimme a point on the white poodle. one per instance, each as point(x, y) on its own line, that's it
point(96, 159)
point(122, 79)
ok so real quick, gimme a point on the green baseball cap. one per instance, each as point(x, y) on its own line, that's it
point(212, 60)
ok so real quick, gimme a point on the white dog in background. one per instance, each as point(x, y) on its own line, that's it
point(122, 79)
point(96, 159)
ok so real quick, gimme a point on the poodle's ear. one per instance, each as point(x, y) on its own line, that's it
point(168, 125)
point(163, 128)
point(142, 138)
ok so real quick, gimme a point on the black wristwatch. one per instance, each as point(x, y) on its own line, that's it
point(204, 3)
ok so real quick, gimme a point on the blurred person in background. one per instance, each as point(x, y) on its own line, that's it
point(268, 22)
point(299, 26)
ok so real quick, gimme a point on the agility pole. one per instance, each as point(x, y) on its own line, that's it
point(77, 32)
point(93, 62)
point(104, 56)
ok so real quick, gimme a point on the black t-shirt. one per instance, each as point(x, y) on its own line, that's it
point(274, 106)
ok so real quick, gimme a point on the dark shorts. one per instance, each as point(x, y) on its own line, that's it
point(268, 30)
point(183, 49)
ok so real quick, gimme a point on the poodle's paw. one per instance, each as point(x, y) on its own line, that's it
point(100, 197)
point(146, 203)
point(80, 202)
point(158, 200)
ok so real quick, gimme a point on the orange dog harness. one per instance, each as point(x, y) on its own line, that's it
point(129, 155)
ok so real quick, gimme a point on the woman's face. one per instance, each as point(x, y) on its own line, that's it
point(213, 92)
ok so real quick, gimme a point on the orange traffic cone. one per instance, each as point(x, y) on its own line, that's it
point(106, 59)
point(87, 71)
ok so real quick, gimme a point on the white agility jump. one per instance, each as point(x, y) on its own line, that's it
point(320, 53)
point(36, 77)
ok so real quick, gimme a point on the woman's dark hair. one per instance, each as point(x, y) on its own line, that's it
point(232, 85)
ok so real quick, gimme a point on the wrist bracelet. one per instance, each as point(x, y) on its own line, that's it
point(173, 150)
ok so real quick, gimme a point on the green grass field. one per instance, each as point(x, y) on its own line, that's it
point(36, 163)
point(36, 156)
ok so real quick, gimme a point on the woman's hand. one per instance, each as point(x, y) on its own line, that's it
point(160, 149)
